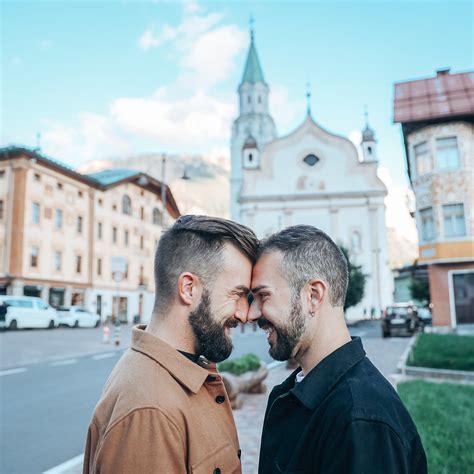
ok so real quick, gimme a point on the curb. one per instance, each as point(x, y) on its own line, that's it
point(408, 371)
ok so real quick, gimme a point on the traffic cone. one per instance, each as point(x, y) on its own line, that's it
point(106, 334)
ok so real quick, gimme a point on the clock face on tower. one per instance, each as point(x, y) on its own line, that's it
point(311, 160)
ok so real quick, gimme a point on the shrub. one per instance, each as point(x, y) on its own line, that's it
point(246, 363)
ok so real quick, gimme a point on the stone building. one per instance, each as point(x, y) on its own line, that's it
point(437, 118)
point(63, 234)
point(310, 176)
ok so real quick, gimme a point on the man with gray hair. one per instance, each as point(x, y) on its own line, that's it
point(336, 413)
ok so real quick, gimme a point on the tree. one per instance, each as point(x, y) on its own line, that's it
point(420, 290)
point(357, 279)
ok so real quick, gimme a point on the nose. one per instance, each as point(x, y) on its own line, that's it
point(242, 310)
point(254, 312)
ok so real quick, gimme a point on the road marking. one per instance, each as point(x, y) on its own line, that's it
point(12, 371)
point(104, 356)
point(65, 466)
point(63, 362)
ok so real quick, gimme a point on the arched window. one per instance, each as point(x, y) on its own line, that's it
point(156, 216)
point(126, 205)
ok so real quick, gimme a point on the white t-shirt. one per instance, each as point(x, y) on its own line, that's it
point(300, 376)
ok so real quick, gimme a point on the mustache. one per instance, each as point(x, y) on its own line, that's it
point(264, 323)
point(231, 323)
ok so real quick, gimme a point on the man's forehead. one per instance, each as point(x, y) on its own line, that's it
point(269, 261)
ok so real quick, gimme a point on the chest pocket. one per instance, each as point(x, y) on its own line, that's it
point(222, 460)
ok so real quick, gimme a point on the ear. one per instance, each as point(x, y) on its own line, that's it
point(317, 293)
point(189, 288)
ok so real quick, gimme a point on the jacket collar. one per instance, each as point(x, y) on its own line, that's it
point(186, 372)
point(312, 390)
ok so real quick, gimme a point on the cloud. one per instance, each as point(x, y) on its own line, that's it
point(149, 39)
point(174, 122)
point(185, 116)
point(206, 48)
point(45, 44)
point(398, 202)
point(95, 136)
point(211, 58)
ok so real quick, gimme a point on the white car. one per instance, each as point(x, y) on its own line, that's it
point(77, 317)
point(27, 312)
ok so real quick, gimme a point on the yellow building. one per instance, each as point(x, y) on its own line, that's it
point(63, 234)
point(437, 118)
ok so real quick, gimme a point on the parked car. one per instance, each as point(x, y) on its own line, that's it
point(27, 312)
point(77, 317)
point(401, 318)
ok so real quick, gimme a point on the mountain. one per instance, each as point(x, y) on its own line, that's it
point(204, 189)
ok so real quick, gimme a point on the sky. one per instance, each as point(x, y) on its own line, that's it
point(112, 78)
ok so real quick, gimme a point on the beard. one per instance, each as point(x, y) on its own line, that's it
point(211, 339)
point(286, 336)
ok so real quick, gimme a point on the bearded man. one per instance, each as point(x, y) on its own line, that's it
point(336, 413)
point(164, 408)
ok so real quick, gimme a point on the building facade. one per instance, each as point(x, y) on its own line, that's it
point(65, 236)
point(310, 176)
point(437, 118)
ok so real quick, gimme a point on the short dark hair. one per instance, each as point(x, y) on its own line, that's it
point(309, 253)
point(194, 244)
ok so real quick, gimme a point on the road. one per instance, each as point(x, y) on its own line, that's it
point(47, 397)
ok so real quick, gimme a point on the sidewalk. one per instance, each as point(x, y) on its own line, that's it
point(249, 421)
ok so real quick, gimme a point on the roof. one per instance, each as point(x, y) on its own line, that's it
point(253, 71)
point(368, 135)
point(250, 142)
point(112, 176)
point(444, 96)
point(101, 180)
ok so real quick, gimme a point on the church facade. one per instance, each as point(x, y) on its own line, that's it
point(310, 176)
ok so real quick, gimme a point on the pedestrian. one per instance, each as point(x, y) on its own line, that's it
point(164, 408)
point(336, 413)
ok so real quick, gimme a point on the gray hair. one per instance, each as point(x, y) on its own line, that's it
point(310, 253)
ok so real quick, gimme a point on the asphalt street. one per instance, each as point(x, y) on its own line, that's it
point(46, 405)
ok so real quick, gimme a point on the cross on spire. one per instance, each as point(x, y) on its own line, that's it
point(251, 26)
point(308, 98)
point(366, 114)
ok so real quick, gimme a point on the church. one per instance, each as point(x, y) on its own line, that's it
point(310, 176)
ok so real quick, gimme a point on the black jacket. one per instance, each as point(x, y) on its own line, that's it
point(343, 417)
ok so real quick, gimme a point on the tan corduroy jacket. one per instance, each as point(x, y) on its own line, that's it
point(161, 413)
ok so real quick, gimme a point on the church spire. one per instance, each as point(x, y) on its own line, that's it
point(253, 71)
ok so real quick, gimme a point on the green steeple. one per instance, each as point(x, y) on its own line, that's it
point(253, 72)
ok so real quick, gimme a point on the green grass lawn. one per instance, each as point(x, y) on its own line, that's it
point(443, 351)
point(444, 416)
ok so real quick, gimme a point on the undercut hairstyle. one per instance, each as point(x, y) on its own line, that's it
point(310, 253)
point(194, 244)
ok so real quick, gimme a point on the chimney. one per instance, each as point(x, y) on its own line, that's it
point(444, 71)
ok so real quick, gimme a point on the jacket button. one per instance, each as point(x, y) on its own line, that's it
point(220, 399)
point(217, 471)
